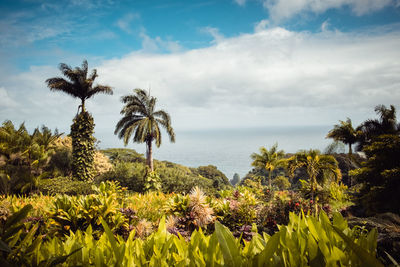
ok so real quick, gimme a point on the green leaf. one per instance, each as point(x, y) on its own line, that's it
point(230, 250)
point(366, 258)
point(18, 216)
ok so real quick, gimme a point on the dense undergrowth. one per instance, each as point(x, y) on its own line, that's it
point(116, 228)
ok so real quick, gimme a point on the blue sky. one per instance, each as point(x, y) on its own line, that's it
point(212, 64)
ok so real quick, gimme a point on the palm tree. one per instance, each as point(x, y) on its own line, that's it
point(386, 124)
point(78, 84)
point(268, 159)
point(316, 165)
point(141, 119)
point(345, 133)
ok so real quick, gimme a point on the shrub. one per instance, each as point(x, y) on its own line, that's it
point(65, 185)
point(281, 182)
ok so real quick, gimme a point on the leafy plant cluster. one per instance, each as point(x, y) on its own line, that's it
point(304, 241)
point(24, 157)
point(130, 170)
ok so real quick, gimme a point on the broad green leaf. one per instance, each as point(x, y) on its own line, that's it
point(228, 245)
point(366, 258)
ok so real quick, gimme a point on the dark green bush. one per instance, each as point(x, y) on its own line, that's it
point(65, 185)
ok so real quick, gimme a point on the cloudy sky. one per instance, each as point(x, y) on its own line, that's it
point(218, 64)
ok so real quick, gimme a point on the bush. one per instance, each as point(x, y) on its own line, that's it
point(65, 185)
point(129, 174)
point(281, 182)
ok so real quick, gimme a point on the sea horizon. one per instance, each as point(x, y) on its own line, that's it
point(229, 149)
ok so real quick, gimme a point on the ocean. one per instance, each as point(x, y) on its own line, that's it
point(229, 150)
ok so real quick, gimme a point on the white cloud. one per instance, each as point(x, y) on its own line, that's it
point(285, 9)
point(261, 26)
point(157, 44)
point(240, 2)
point(5, 100)
point(124, 23)
point(214, 32)
point(271, 77)
point(325, 25)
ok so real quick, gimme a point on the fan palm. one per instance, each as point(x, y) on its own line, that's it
point(78, 83)
point(386, 124)
point(315, 164)
point(268, 159)
point(141, 120)
point(345, 133)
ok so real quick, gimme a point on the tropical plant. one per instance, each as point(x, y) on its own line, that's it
point(318, 166)
point(141, 119)
point(268, 159)
point(345, 133)
point(372, 128)
point(79, 85)
point(305, 241)
point(23, 157)
point(379, 175)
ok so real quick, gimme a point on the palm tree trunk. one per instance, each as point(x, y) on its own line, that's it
point(270, 176)
point(350, 150)
point(149, 156)
point(83, 106)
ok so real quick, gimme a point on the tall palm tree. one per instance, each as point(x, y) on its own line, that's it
point(345, 133)
point(268, 159)
point(386, 124)
point(316, 164)
point(78, 83)
point(141, 119)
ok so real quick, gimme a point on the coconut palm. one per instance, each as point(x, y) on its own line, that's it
point(142, 120)
point(316, 164)
point(386, 124)
point(345, 133)
point(78, 83)
point(268, 159)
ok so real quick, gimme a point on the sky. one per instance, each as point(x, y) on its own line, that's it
point(218, 64)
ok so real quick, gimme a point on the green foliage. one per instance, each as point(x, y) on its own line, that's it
point(130, 172)
point(64, 185)
point(319, 168)
point(219, 180)
point(281, 182)
point(123, 154)
point(345, 133)
point(23, 157)
point(237, 209)
point(83, 147)
point(61, 162)
point(305, 241)
point(70, 213)
point(268, 159)
point(152, 182)
point(380, 175)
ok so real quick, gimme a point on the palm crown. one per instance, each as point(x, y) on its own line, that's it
point(386, 124)
point(78, 83)
point(141, 120)
point(268, 159)
point(345, 133)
